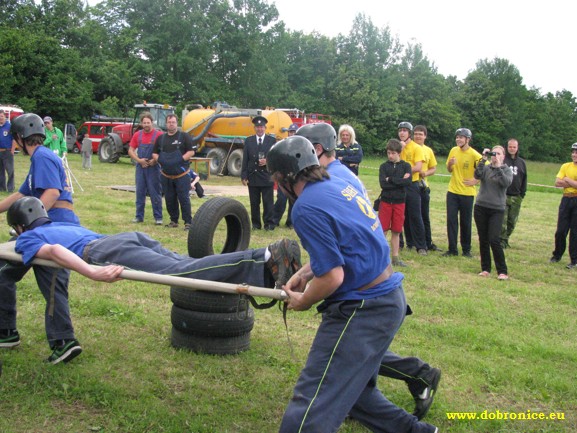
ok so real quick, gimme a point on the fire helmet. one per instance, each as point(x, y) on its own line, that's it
point(25, 211)
point(27, 124)
point(290, 156)
point(406, 125)
point(320, 133)
point(464, 132)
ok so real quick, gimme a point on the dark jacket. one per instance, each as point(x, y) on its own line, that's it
point(251, 171)
point(351, 156)
point(519, 169)
point(393, 185)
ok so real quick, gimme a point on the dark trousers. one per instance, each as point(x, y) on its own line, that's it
point(489, 222)
point(566, 222)
point(512, 210)
point(57, 313)
point(409, 369)
point(425, 209)
point(6, 171)
point(176, 191)
point(414, 227)
point(279, 208)
point(255, 193)
point(340, 375)
point(148, 183)
point(459, 214)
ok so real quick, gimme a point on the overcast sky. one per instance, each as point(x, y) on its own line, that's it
point(537, 37)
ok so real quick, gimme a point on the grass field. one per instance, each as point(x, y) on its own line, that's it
point(503, 346)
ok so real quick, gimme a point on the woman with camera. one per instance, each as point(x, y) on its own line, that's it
point(489, 209)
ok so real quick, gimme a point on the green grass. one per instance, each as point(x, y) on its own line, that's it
point(507, 346)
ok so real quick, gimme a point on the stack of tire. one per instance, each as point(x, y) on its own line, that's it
point(213, 322)
point(209, 322)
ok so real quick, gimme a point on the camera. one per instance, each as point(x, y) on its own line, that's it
point(489, 154)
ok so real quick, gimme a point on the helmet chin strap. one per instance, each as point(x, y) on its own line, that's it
point(289, 191)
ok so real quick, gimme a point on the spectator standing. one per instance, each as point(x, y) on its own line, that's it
point(413, 154)
point(54, 138)
point(255, 175)
point(394, 177)
point(86, 150)
point(172, 151)
point(361, 299)
point(461, 163)
point(349, 152)
point(489, 210)
point(567, 217)
point(281, 199)
point(516, 191)
point(47, 181)
point(147, 170)
point(7, 147)
point(428, 169)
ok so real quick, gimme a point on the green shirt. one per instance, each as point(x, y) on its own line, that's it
point(55, 141)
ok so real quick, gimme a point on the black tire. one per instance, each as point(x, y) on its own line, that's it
point(218, 161)
point(234, 163)
point(206, 220)
point(75, 149)
point(212, 324)
point(107, 151)
point(209, 302)
point(210, 345)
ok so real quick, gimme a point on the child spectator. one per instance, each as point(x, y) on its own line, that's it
point(394, 177)
point(195, 184)
point(86, 150)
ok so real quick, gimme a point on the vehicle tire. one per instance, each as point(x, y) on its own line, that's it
point(218, 161)
point(212, 324)
point(209, 302)
point(234, 163)
point(75, 149)
point(107, 151)
point(210, 345)
point(206, 220)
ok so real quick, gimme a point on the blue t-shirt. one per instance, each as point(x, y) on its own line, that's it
point(338, 169)
point(338, 227)
point(70, 236)
point(46, 172)
point(5, 136)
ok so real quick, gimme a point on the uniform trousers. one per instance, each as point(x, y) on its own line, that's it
point(6, 171)
point(414, 228)
point(177, 192)
point(512, 210)
point(459, 215)
point(255, 194)
point(148, 182)
point(566, 224)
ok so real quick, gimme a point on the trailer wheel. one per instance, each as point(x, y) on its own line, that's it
point(210, 345)
point(218, 161)
point(209, 302)
point(234, 163)
point(107, 151)
point(206, 222)
point(212, 324)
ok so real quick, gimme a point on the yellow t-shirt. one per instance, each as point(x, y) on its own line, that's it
point(464, 168)
point(413, 153)
point(430, 160)
point(568, 170)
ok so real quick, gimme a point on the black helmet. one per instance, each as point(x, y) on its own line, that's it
point(290, 156)
point(464, 132)
point(320, 133)
point(406, 125)
point(27, 124)
point(25, 211)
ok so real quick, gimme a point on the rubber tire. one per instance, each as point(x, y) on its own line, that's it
point(234, 163)
point(206, 220)
point(210, 345)
point(209, 302)
point(212, 324)
point(107, 151)
point(218, 161)
point(75, 149)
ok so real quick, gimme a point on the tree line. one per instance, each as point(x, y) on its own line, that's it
point(71, 60)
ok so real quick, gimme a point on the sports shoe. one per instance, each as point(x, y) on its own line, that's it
point(136, 220)
point(433, 247)
point(65, 351)
point(158, 222)
point(422, 252)
point(503, 277)
point(172, 225)
point(467, 254)
point(285, 260)
point(187, 227)
point(449, 254)
point(9, 338)
point(483, 274)
point(554, 259)
point(571, 266)
point(424, 399)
